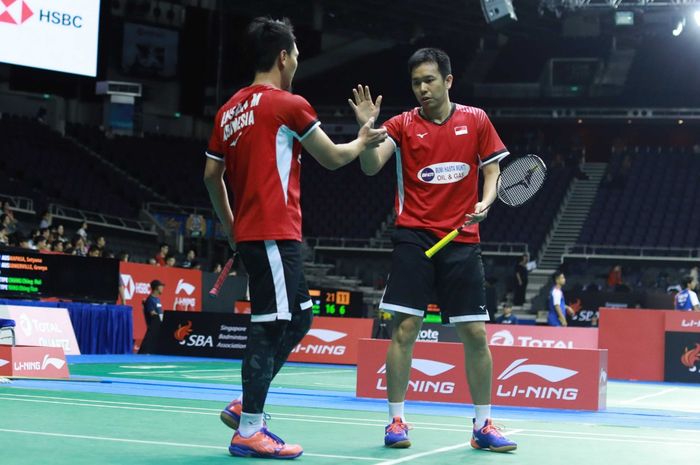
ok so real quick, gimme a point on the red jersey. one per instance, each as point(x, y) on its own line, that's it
point(257, 133)
point(437, 168)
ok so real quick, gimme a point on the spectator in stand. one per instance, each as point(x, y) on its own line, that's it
point(95, 252)
point(196, 265)
point(170, 261)
point(79, 247)
point(217, 268)
point(615, 277)
point(82, 232)
point(42, 245)
point(22, 241)
point(4, 236)
point(100, 243)
point(60, 233)
point(520, 280)
point(687, 299)
point(190, 258)
point(507, 318)
point(46, 220)
point(123, 256)
point(57, 246)
point(9, 223)
point(152, 261)
point(556, 303)
point(162, 254)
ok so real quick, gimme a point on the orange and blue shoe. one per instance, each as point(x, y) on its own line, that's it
point(263, 444)
point(231, 415)
point(396, 434)
point(489, 437)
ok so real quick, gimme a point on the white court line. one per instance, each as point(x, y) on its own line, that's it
point(338, 420)
point(162, 443)
point(647, 396)
point(234, 370)
point(408, 458)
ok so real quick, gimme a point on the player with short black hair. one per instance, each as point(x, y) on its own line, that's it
point(687, 299)
point(440, 148)
point(257, 139)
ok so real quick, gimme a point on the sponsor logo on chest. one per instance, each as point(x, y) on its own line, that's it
point(443, 173)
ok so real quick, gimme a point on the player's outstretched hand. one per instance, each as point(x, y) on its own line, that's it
point(363, 106)
point(479, 214)
point(370, 137)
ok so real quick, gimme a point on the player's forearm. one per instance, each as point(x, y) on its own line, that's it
point(342, 154)
point(370, 162)
point(219, 199)
point(559, 312)
point(490, 181)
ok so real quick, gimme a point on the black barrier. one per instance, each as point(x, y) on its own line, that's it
point(203, 334)
point(29, 275)
point(432, 332)
point(233, 289)
point(587, 303)
point(682, 359)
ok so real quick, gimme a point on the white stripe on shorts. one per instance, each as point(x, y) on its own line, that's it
point(275, 259)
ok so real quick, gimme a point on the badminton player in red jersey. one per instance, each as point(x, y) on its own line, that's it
point(440, 148)
point(257, 140)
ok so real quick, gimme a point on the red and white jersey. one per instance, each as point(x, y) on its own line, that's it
point(437, 168)
point(257, 133)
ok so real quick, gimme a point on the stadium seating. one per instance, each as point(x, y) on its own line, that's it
point(649, 198)
point(40, 164)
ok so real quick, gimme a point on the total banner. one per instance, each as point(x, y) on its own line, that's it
point(221, 335)
point(33, 362)
point(332, 340)
point(519, 335)
point(574, 379)
point(42, 326)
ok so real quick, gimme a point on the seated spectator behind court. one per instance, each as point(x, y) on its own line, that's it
point(162, 253)
point(507, 318)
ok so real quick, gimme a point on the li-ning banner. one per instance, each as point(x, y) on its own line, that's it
point(523, 376)
point(332, 340)
point(33, 362)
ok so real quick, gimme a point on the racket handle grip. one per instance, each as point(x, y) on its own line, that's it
point(442, 243)
point(222, 277)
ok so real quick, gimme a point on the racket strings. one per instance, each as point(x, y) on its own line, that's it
point(521, 180)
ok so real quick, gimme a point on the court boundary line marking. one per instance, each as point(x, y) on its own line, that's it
point(411, 457)
point(163, 443)
point(646, 396)
point(359, 422)
point(235, 370)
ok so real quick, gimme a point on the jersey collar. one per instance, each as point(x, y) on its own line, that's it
point(452, 112)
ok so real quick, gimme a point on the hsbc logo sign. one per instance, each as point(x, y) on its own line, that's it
point(132, 287)
point(427, 369)
point(327, 336)
point(552, 374)
point(15, 11)
point(506, 338)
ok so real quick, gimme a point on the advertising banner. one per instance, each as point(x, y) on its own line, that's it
point(332, 340)
point(523, 376)
point(33, 362)
point(222, 335)
point(182, 290)
point(41, 326)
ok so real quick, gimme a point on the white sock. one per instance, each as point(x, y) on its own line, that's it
point(481, 413)
point(396, 410)
point(251, 423)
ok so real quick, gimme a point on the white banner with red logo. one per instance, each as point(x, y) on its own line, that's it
point(42, 326)
point(332, 340)
point(542, 336)
point(33, 362)
point(182, 290)
point(523, 376)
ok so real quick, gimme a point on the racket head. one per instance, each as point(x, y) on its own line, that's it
point(521, 180)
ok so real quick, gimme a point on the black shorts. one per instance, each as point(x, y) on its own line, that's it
point(453, 278)
point(275, 278)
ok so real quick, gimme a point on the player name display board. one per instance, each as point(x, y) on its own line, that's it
point(573, 379)
point(30, 275)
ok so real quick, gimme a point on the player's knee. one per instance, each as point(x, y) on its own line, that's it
point(406, 331)
point(473, 334)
